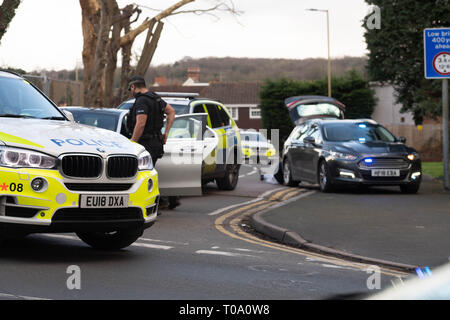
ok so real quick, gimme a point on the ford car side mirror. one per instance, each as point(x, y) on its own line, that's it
point(402, 139)
point(310, 140)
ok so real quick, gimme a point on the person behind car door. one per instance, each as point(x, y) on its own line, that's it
point(147, 120)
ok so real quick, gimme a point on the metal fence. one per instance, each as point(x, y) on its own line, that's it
point(62, 92)
point(427, 141)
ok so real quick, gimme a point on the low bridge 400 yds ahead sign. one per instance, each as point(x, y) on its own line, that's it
point(437, 53)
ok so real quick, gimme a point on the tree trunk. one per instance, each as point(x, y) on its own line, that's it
point(95, 94)
point(7, 13)
point(90, 10)
point(111, 57)
point(126, 69)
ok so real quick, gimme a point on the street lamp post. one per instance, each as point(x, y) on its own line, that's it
point(329, 52)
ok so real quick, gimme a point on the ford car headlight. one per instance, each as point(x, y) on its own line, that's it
point(145, 161)
point(413, 156)
point(21, 158)
point(343, 156)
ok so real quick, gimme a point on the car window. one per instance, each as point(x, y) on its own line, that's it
point(316, 109)
point(301, 132)
point(224, 116)
point(363, 132)
point(253, 136)
point(214, 116)
point(19, 98)
point(199, 109)
point(184, 128)
point(96, 119)
point(315, 133)
point(126, 105)
point(180, 108)
point(123, 128)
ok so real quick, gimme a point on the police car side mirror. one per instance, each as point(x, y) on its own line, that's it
point(69, 115)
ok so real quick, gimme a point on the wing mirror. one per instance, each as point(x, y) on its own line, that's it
point(310, 140)
point(69, 115)
point(402, 139)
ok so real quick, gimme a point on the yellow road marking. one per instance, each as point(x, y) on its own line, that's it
point(263, 204)
point(290, 195)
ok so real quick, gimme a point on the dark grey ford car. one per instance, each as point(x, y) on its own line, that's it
point(328, 150)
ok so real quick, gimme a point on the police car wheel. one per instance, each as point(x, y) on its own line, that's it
point(231, 178)
point(111, 241)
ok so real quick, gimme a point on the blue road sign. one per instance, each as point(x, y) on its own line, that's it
point(437, 53)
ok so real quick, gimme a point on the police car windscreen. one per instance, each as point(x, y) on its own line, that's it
point(20, 99)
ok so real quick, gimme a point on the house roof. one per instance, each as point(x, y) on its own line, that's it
point(234, 93)
point(225, 92)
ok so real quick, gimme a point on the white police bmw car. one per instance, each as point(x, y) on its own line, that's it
point(59, 176)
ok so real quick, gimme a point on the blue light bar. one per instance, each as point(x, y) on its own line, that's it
point(368, 160)
point(362, 125)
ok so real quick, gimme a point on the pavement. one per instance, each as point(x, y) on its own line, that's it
point(377, 226)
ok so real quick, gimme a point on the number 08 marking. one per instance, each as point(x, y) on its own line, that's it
point(13, 187)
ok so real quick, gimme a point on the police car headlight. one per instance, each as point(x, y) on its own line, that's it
point(21, 158)
point(145, 161)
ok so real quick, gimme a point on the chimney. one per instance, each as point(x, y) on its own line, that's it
point(194, 74)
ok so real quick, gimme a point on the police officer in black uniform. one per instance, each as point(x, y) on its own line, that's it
point(146, 121)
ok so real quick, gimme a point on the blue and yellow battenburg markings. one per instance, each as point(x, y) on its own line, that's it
point(14, 139)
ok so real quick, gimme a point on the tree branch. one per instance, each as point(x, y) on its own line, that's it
point(129, 37)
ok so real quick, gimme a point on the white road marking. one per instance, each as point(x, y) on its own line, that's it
point(60, 236)
point(15, 296)
point(163, 241)
point(332, 266)
point(259, 198)
point(136, 244)
point(255, 170)
point(151, 246)
point(224, 253)
point(248, 250)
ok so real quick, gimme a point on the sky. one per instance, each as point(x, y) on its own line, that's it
point(46, 34)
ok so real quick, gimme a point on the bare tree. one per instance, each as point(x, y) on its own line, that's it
point(7, 13)
point(108, 29)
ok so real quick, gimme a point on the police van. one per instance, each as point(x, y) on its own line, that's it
point(224, 162)
point(59, 176)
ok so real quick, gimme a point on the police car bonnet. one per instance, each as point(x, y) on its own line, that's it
point(58, 137)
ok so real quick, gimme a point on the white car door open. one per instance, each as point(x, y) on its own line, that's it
point(189, 143)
